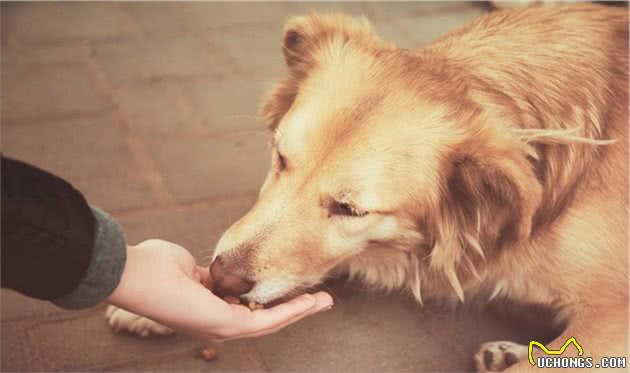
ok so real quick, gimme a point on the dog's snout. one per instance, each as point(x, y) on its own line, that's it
point(226, 280)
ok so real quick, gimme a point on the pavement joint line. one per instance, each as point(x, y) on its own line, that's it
point(136, 145)
point(183, 206)
point(185, 104)
point(145, 162)
point(136, 31)
point(54, 316)
point(24, 344)
point(15, 42)
point(50, 119)
point(253, 356)
point(172, 353)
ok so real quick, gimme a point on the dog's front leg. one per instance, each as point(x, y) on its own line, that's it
point(600, 331)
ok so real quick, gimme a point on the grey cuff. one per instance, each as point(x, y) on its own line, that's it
point(106, 266)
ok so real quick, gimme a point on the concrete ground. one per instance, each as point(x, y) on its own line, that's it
point(149, 109)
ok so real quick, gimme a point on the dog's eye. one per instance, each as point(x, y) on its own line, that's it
point(282, 162)
point(345, 209)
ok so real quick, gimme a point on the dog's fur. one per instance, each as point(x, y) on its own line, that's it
point(490, 163)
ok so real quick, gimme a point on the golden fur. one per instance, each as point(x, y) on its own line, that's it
point(492, 162)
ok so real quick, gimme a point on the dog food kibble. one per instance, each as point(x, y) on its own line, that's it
point(255, 306)
point(209, 354)
point(232, 300)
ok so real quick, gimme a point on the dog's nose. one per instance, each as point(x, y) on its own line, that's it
point(226, 282)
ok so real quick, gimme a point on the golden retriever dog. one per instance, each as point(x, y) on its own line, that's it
point(490, 163)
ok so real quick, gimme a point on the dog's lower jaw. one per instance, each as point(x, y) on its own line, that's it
point(272, 291)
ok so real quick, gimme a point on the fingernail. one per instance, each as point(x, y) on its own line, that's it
point(327, 308)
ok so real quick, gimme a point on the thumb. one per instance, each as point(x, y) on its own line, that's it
point(202, 274)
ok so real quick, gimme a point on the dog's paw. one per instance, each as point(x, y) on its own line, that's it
point(121, 320)
point(498, 356)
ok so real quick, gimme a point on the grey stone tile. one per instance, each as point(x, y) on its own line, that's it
point(17, 306)
point(156, 19)
point(227, 104)
point(234, 356)
point(201, 167)
point(14, 355)
point(175, 57)
point(43, 54)
point(91, 147)
point(84, 342)
point(64, 21)
point(154, 107)
point(196, 228)
point(252, 48)
point(355, 8)
point(49, 91)
point(364, 332)
point(217, 15)
point(116, 194)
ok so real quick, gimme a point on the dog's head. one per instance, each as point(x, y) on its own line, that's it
point(382, 164)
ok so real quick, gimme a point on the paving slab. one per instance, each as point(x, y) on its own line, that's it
point(84, 342)
point(118, 193)
point(197, 228)
point(45, 54)
point(252, 48)
point(227, 104)
point(374, 332)
point(355, 8)
point(15, 306)
point(154, 107)
point(127, 62)
point(47, 22)
point(89, 147)
point(156, 19)
point(14, 353)
point(234, 356)
point(202, 167)
point(205, 16)
point(49, 91)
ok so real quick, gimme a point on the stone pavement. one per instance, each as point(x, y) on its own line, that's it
point(149, 109)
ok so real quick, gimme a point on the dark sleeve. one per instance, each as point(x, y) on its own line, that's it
point(54, 246)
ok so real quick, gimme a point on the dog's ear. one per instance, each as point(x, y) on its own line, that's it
point(305, 36)
point(489, 199)
point(304, 40)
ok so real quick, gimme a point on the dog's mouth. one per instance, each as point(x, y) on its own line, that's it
point(287, 296)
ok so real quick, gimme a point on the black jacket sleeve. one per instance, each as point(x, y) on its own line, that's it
point(54, 246)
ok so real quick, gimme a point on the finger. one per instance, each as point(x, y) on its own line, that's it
point(324, 297)
point(287, 313)
point(285, 324)
point(203, 276)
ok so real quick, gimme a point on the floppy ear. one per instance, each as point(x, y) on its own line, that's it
point(490, 197)
point(304, 39)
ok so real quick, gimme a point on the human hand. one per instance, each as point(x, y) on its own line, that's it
point(162, 282)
